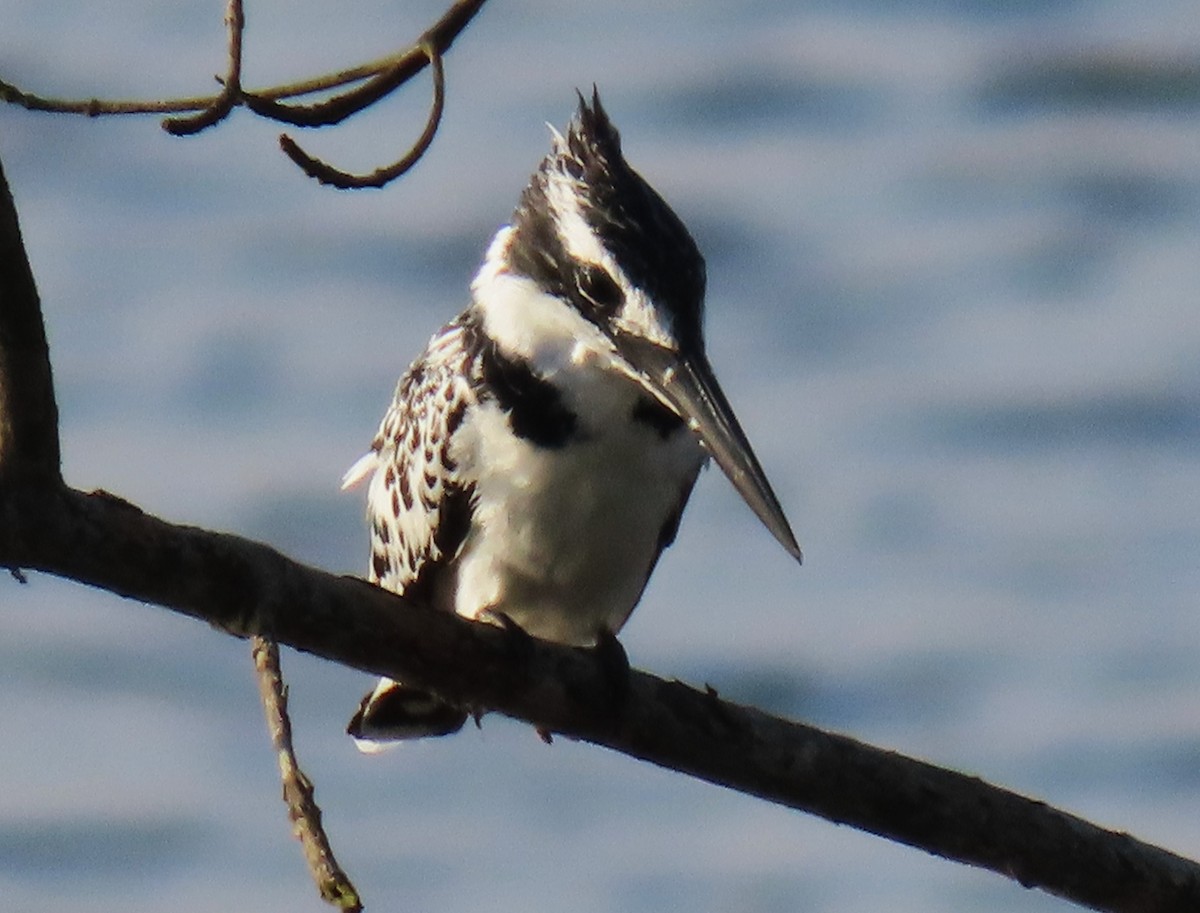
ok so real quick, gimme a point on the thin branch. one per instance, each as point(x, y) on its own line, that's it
point(323, 113)
point(28, 414)
point(446, 30)
point(396, 68)
point(247, 588)
point(405, 63)
point(332, 883)
point(384, 77)
point(231, 92)
point(98, 107)
point(331, 81)
point(327, 174)
point(381, 77)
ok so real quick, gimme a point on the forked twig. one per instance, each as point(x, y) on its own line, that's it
point(332, 882)
point(376, 79)
point(231, 91)
point(327, 174)
point(380, 81)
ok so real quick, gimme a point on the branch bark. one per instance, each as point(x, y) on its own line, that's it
point(333, 884)
point(335, 177)
point(28, 413)
point(247, 588)
point(372, 82)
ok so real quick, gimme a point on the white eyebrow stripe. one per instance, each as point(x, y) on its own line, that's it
point(577, 236)
point(637, 315)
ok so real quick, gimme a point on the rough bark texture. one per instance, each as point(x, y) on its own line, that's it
point(28, 413)
point(299, 794)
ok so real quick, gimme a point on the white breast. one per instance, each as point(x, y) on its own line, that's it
point(563, 539)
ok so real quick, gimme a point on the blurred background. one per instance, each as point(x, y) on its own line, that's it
point(954, 255)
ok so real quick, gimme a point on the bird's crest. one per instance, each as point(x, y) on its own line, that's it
point(592, 142)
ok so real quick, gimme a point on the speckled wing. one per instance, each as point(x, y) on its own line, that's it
point(417, 507)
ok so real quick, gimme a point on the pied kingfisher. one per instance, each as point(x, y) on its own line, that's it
point(538, 455)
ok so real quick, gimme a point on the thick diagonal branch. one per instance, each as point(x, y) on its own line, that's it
point(247, 588)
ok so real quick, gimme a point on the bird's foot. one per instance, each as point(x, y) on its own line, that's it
point(614, 665)
point(519, 643)
point(517, 639)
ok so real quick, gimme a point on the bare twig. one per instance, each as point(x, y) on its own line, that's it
point(404, 64)
point(384, 75)
point(98, 107)
point(327, 174)
point(378, 78)
point(231, 92)
point(332, 883)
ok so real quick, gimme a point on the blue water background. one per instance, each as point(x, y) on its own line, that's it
point(954, 260)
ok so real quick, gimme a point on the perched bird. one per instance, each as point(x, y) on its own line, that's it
point(538, 455)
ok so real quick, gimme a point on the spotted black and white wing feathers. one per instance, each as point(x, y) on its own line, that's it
point(418, 510)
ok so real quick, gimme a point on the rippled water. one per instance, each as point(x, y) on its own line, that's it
point(953, 266)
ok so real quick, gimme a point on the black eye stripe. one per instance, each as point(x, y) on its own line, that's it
point(598, 287)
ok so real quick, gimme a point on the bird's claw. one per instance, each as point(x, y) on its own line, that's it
point(614, 665)
point(519, 641)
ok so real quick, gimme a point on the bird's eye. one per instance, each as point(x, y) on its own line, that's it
point(599, 288)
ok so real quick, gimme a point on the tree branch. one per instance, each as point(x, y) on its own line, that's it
point(231, 91)
point(384, 75)
point(377, 79)
point(28, 413)
point(247, 588)
point(327, 174)
point(298, 791)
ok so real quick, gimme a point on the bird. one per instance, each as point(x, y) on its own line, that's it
point(537, 456)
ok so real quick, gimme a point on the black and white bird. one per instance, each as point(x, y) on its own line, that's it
point(538, 455)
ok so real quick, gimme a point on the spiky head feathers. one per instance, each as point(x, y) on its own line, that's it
point(590, 229)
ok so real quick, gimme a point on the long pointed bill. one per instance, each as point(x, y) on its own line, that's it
point(689, 387)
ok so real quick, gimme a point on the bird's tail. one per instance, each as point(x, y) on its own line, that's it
point(394, 711)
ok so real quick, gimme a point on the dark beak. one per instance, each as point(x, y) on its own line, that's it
point(688, 386)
